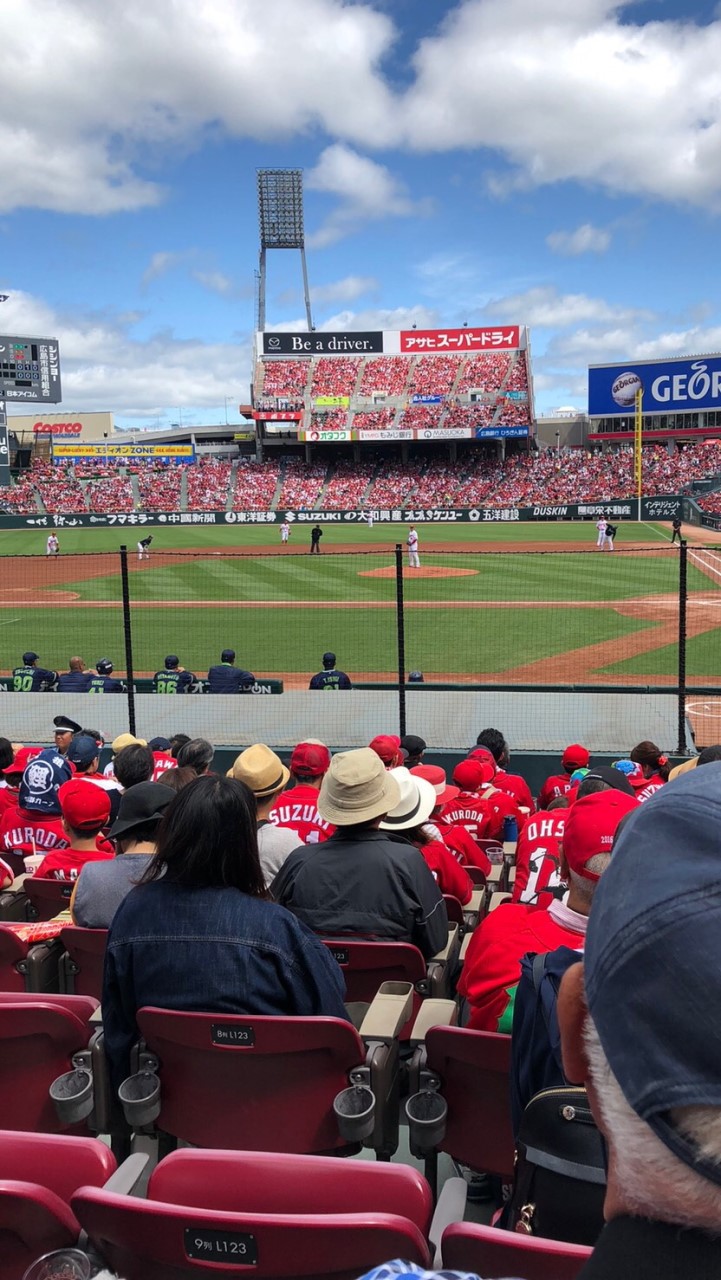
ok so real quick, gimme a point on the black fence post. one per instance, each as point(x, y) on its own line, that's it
point(128, 633)
point(401, 630)
point(682, 603)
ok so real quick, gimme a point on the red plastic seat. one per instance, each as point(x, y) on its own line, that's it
point(47, 896)
point(27, 966)
point(38, 1036)
point(81, 965)
point(466, 1246)
point(38, 1175)
point(277, 1215)
point(367, 964)
point(259, 1083)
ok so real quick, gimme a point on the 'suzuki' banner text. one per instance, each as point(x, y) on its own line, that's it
point(502, 338)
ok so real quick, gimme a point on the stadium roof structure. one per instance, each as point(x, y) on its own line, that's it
point(280, 217)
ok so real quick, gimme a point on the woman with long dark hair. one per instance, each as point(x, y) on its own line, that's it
point(654, 767)
point(199, 932)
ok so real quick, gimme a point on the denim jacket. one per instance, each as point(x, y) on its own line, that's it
point(210, 950)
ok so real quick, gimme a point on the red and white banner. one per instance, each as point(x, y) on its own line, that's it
point(502, 338)
point(278, 415)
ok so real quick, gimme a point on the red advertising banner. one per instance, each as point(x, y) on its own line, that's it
point(503, 338)
point(277, 415)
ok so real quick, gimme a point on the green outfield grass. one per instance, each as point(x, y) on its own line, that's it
point(280, 612)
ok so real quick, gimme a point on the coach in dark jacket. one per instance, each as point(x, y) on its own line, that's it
point(363, 881)
point(227, 678)
point(76, 680)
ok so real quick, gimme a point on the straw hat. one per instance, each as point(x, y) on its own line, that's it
point(357, 788)
point(417, 802)
point(127, 740)
point(262, 771)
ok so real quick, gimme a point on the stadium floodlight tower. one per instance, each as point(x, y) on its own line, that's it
point(280, 212)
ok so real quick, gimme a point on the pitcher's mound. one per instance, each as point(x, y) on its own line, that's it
point(425, 571)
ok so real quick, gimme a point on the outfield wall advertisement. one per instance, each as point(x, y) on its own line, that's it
point(669, 386)
point(663, 508)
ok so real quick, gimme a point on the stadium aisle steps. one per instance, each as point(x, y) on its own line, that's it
point(183, 490)
point(137, 502)
point(231, 485)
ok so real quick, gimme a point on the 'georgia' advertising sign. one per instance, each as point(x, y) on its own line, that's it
point(669, 386)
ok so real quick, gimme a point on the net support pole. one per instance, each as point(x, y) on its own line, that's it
point(682, 603)
point(638, 450)
point(401, 635)
point(128, 634)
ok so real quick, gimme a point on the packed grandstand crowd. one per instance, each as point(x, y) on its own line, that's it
point(183, 875)
point(478, 478)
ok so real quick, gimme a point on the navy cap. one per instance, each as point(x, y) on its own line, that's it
point(653, 958)
point(329, 659)
point(103, 666)
point(30, 656)
point(42, 779)
point(159, 744)
point(172, 661)
point(416, 677)
point(228, 655)
point(82, 751)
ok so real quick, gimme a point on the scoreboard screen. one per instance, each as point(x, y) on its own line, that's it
point(30, 369)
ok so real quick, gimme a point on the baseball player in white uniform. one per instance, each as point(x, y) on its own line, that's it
point(52, 546)
point(601, 527)
point(284, 532)
point(413, 557)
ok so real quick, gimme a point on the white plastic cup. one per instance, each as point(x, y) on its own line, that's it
point(62, 1264)
point(32, 862)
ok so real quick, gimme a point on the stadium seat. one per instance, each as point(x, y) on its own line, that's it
point(40, 1036)
point(466, 1246)
point(27, 966)
point(38, 1175)
point(259, 1083)
point(277, 1216)
point(366, 965)
point(81, 964)
point(469, 1072)
point(47, 897)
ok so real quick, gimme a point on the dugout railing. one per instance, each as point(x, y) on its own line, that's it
point(550, 646)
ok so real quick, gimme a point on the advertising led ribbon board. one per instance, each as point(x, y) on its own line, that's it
point(669, 386)
point(509, 337)
point(71, 452)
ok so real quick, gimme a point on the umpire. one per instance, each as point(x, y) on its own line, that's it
point(676, 526)
point(29, 678)
point(227, 678)
point(316, 534)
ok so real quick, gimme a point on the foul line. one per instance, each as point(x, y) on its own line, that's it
point(9, 622)
point(705, 566)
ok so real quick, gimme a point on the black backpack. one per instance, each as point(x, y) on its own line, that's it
point(560, 1179)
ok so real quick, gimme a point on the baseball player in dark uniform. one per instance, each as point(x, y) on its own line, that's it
point(676, 526)
point(144, 547)
point(102, 682)
point(29, 678)
point(173, 678)
point(227, 678)
point(330, 679)
point(316, 534)
point(76, 680)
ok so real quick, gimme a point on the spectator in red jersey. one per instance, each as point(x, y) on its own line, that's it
point(538, 857)
point(388, 747)
point(493, 963)
point(34, 827)
point(513, 783)
point(457, 838)
point(85, 811)
point(481, 808)
point(559, 784)
point(417, 802)
point(655, 769)
point(297, 808)
point(13, 777)
point(162, 758)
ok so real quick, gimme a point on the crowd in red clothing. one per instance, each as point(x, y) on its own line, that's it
point(208, 483)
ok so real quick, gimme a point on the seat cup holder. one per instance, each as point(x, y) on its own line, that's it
point(72, 1096)
point(140, 1098)
point(426, 1112)
point(355, 1113)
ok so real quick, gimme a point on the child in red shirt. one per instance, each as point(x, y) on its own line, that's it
point(85, 811)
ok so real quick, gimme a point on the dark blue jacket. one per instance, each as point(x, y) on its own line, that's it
point(74, 682)
point(330, 681)
point(105, 684)
point(225, 678)
point(210, 950)
point(172, 681)
point(32, 679)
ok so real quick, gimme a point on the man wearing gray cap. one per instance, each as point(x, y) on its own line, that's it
point(363, 881)
point(640, 1023)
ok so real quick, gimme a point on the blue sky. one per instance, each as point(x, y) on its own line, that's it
point(527, 161)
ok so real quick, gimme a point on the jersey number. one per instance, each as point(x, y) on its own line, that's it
point(22, 684)
point(167, 686)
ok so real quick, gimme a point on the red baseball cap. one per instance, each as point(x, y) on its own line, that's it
point(591, 827)
point(472, 774)
point(83, 804)
point(437, 778)
point(310, 760)
point(22, 759)
point(485, 756)
point(388, 747)
point(575, 757)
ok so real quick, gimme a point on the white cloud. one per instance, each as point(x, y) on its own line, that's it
point(345, 290)
point(215, 281)
point(545, 307)
point(383, 318)
point(585, 239)
point(367, 191)
point(160, 264)
point(105, 366)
